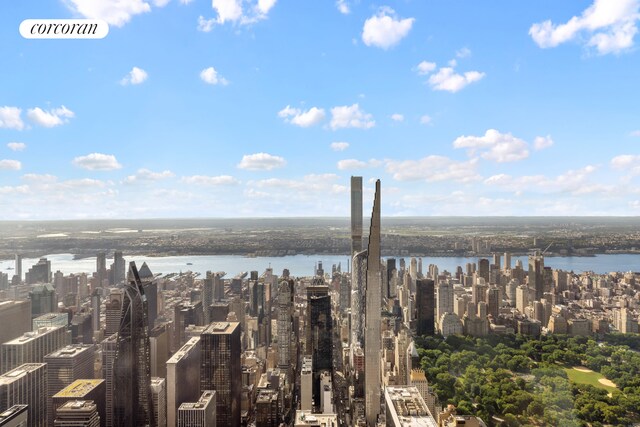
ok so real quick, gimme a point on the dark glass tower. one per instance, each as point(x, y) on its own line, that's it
point(132, 399)
point(425, 305)
point(220, 370)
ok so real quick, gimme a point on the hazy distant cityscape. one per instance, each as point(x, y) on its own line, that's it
point(352, 343)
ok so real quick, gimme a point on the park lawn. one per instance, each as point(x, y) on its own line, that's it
point(580, 377)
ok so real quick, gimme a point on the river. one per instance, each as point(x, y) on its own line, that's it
point(303, 265)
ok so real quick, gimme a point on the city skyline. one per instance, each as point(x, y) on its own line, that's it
point(468, 111)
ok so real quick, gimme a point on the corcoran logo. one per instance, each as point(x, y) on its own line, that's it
point(64, 29)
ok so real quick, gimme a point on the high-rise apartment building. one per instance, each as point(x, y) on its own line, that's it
point(26, 384)
point(64, 366)
point(373, 309)
point(39, 272)
point(220, 370)
point(356, 214)
point(132, 400)
point(444, 302)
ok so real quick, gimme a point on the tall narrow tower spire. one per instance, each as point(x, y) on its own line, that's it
point(372, 313)
point(356, 214)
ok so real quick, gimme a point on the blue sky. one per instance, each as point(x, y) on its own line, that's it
point(255, 108)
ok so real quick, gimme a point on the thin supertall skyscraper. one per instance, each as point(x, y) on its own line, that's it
point(356, 214)
point(372, 319)
point(132, 400)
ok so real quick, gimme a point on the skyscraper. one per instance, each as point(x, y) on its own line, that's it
point(132, 400)
point(84, 389)
point(159, 397)
point(109, 348)
point(425, 306)
point(26, 384)
point(358, 280)
point(101, 268)
point(32, 347)
point(199, 414)
point(64, 366)
point(285, 307)
point(483, 269)
point(372, 313)
point(319, 333)
point(18, 267)
point(77, 413)
point(445, 300)
point(356, 214)
point(220, 370)
point(536, 276)
point(183, 378)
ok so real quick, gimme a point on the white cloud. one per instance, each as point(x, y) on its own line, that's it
point(13, 165)
point(115, 12)
point(10, 118)
point(211, 76)
point(425, 120)
point(425, 67)
point(39, 179)
point(350, 164)
point(146, 175)
point(625, 161)
point(542, 142)
point(339, 146)
point(51, 118)
point(304, 119)
point(97, 162)
point(433, 168)
point(572, 181)
point(299, 189)
point(205, 25)
point(17, 146)
point(630, 163)
point(232, 11)
point(634, 133)
point(350, 117)
point(609, 26)
point(210, 180)
point(495, 146)
point(385, 29)
point(396, 117)
point(134, 77)
point(264, 6)
point(228, 10)
point(447, 79)
point(261, 161)
point(465, 52)
point(161, 3)
point(343, 7)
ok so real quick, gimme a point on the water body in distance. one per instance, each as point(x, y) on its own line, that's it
point(303, 265)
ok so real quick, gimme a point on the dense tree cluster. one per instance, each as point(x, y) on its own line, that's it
point(521, 380)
